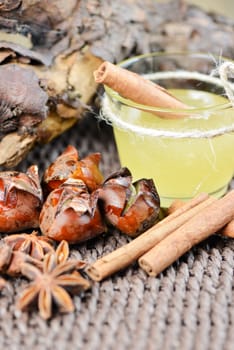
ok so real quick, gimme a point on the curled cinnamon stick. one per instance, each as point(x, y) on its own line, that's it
point(227, 230)
point(135, 87)
point(176, 204)
point(127, 254)
point(205, 223)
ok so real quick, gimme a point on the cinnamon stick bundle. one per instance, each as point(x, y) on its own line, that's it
point(165, 242)
point(227, 230)
point(135, 87)
point(206, 222)
point(127, 254)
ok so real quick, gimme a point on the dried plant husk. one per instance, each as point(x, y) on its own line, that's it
point(65, 100)
point(62, 42)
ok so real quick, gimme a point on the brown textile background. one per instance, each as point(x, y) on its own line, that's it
point(188, 306)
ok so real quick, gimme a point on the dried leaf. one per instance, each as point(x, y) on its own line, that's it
point(13, 49)
point(21, 93)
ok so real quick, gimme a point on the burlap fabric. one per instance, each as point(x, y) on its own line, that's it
point(188, 306)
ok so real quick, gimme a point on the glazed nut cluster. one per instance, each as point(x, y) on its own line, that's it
point(74, 202)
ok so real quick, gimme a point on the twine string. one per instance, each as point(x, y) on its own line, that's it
point(224, 70)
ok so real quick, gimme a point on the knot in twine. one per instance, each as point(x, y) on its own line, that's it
point(224, 70)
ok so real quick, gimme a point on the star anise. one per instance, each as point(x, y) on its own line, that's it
point(11, 261)
point(53, 284)
point(33, 244)
point(3, 283)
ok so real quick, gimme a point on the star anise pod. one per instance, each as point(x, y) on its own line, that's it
point(11, 261)
point(33, 244)
point(3, 283)
point(5, 256)
point(53, 284)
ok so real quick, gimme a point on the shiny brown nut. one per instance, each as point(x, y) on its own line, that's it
point(88, 171)
point(71, 213)
point(132, 208)
point(68, 165)
point(20, 200)
point(60, 170)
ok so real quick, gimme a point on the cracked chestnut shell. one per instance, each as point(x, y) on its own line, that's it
point(130, 207)
point(20, 200)
point(71, 213)
point(68, 165)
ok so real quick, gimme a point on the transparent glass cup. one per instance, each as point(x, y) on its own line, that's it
point(184, 156)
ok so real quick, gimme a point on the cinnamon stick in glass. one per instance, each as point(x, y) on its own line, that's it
point(199, 227)
point(136, 88)
point(127, 254)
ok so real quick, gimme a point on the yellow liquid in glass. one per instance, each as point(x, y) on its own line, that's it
point(181, 167)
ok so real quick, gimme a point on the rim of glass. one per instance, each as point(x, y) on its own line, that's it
point(129, 103)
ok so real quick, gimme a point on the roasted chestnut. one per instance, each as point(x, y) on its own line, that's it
point(20, 200)
point(71, 213)
point(130, 207)
point(68, 165)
